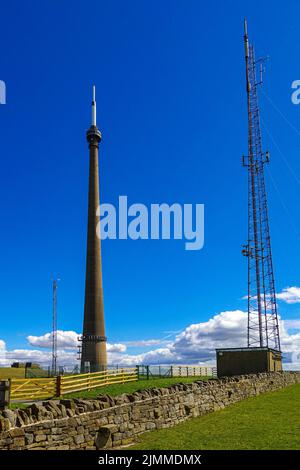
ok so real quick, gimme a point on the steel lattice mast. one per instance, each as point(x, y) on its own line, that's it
point(263, 329)
point(54, 327)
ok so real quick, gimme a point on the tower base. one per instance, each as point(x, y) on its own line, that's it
point(93, 353)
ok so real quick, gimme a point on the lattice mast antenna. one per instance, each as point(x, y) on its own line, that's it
point(54, 326)
point(263, 329)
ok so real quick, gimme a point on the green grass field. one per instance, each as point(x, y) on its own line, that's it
point(131, 387)
point(11, 372)
point(19, 373)
point(269, 421)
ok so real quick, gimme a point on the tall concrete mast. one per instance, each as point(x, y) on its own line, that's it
point(93, 354)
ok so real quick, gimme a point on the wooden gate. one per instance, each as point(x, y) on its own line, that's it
point(32, 389)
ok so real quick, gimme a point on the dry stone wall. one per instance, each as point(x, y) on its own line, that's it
point(108, 422)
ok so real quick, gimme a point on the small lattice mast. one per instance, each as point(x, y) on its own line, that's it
point(54, 327)
point(263, 329)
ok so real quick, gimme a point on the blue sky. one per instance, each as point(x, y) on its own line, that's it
point(172, 110)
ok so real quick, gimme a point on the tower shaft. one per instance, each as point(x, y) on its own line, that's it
point(263, 329)
point(93, 339)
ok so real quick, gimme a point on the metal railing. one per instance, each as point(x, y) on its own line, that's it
point(165, 371)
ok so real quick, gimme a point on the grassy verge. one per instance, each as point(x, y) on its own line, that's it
point(19, 373)
point(12, 372)
point(19, 406)
point(131, 387)
point(269, 421)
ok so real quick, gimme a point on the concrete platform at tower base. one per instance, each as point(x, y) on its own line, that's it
point(240, 361)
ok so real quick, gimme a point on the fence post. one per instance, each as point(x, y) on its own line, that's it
point(147, 372)
point(58, 386)
point(5, 386)
point(171, 371)
point(138, 372)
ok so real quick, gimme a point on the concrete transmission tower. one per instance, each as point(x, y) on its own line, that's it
point(93, 351)
point(263, 329)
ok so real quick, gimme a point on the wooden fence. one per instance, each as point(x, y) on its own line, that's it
point(33, 389)
point(76, 383)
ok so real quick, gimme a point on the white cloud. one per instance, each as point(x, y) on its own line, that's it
point(196, 344)
point(146, 342)
point(290, 295)
point(199, 341)
point(7, 357)
point(292, 324)
point(65, 340)
point(67, 343)
point(116, 348)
